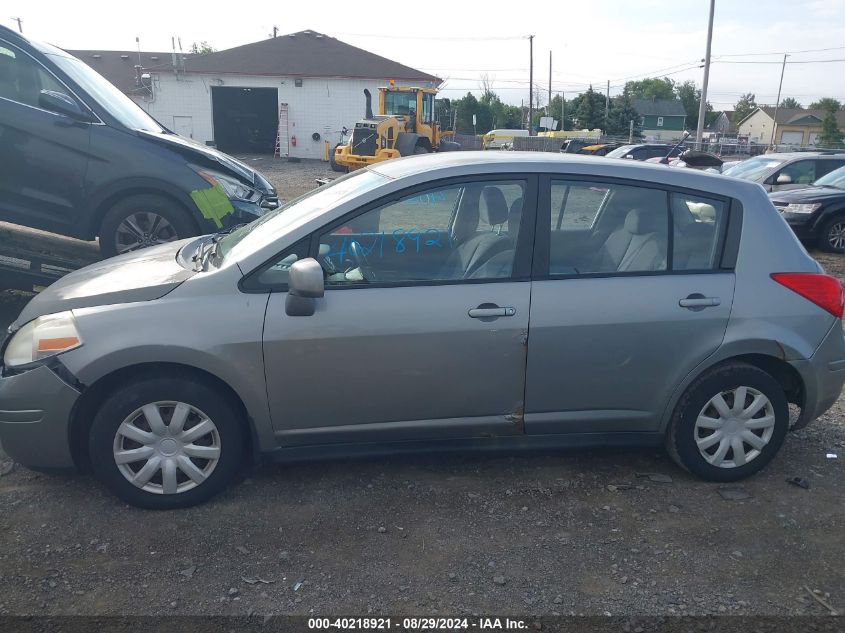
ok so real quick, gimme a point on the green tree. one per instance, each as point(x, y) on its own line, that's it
point(557, 105)
point(826, 103)
point(202, 48)
point(622, 112)
point(744, 107)
point(830, 136)
point(588, 110)
point(790, 104)
point(650, 88)
point(466, 107)
point(690, 96)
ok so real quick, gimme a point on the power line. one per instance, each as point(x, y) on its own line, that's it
point(802, 61)
point(809, 50)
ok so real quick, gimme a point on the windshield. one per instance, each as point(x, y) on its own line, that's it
point(836, 178)
point(619, 152)
point(104, 93)
point(278, 222)
point(400, 103)
point(752, 168)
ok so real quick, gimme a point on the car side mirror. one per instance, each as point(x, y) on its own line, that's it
point(305, 284)
point(783, 179)
point(61, 103)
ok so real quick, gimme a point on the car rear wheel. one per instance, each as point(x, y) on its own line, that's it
point(832, 237)
point(163, 443)
point(729, 423)
point(141, 221)
point(421, 149)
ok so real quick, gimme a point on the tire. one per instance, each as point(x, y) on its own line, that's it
point(128, 406)
point(334, 165)
point(832, 235)
point(681, 438)
point(421, 149)
point(139, 213)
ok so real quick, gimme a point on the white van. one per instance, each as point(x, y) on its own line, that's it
point(497, 139)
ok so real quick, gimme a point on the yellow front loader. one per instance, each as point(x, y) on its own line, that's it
point(404, 126)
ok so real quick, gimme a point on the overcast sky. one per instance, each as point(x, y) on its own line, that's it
point(591, 41)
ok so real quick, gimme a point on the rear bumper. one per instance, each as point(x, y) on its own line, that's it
point(823, 375)
point(35, 409)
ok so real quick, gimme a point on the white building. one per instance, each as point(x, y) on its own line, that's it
point(232, 98)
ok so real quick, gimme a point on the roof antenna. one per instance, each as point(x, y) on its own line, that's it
point(181, 55)
point(275, 31)
point(665, 159)
point(138, 46)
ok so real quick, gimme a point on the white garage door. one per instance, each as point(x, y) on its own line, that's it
point(792, 138)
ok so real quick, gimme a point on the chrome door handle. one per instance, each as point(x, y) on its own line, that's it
point(699, 301)
point(491, 312)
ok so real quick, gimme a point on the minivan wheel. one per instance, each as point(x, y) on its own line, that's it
point(832, 236)
point(141, 221)
point(729, 423)
point(163, 443)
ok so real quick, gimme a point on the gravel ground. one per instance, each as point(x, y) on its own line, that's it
point(620, 532)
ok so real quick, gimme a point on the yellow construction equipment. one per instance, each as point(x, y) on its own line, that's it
point(404, 126)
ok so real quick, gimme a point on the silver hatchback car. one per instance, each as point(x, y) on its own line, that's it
point(459, 301)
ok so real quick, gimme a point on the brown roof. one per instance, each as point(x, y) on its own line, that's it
point(801, 116)
point(119, 66)
point(303, 54)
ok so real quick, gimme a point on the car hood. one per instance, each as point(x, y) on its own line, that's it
point(808, 194)
point(209, 156)
point(138, 276)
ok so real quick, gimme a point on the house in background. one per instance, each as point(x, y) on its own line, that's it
point(661, 119)
point(723, 124)
point(232, 98)
point(794, 126)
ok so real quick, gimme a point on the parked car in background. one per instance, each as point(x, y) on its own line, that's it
point(817, 212)
point(80, 158)
point(644, 151)
point(500, 139)
point(598, 149)
point(793, 170)
point(406, 292)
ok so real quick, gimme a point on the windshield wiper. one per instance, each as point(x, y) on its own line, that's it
point(208, 247)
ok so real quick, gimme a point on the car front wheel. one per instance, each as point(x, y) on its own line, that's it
point(833, 235)
point(141, 221)
point(162, 443)
point(729, 423)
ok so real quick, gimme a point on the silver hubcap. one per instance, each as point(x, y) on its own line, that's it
point(836, 236)
point(143, 229)
point(166, 447)
point(734, 427)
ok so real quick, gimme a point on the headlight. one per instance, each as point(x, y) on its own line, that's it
point(802, 208)
point(232, 187)
point(41, 338)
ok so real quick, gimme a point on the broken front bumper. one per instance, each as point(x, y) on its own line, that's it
point(35, 409)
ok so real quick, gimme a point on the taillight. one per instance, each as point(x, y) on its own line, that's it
point(823, 290)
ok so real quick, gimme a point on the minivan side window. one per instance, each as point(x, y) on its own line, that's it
point(22, 79)
point(801, 172)
point(447, 233)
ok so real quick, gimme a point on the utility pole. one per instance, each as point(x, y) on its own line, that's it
point(562, 112)
point(702, 107)
point(19, 20)
point(606, 105)
point(631, 131)
point(549, 107)
point(777, 104)
point(530, 82)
